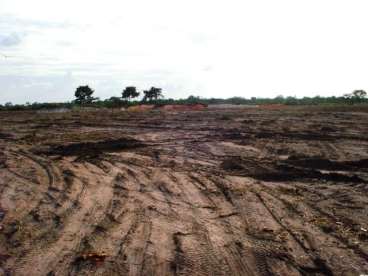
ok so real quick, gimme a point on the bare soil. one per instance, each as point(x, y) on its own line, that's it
point(216, 192)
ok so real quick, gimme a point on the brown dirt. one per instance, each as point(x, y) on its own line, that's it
point(230, 192)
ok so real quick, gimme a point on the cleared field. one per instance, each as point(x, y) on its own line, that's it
point(230, 192)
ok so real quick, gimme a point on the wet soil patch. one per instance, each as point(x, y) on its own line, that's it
point(284, 172)
point(326, 164)
point(93, 148)
point(2, 213)
point(2, 160)
point(5, 136)
point(295, 135)
point(278, 171)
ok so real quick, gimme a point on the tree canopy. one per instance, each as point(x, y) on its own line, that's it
point(153, 93)
point(83, 95)
point(356, 96)
point(129, 93)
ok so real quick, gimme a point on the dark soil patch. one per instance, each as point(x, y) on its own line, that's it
point(90, 260)
point(6, 136)
point(2, 160)
point(283, 172)
point(310, 136)
point(232, 164)
point(94, 148)
point(328, 129)
point(234, 135)
point(326, 164)
point(2, 214)
point(279, 172)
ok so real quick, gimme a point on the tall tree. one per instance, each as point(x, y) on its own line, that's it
point(83, 95)
point(360, 94)
point(129, 93)
point(356, 96)
point(153, 94)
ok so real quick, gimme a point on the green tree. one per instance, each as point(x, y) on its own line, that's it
point(83, 95)
point(153, 94)
point(129, 93)
point(193, 99)
point(112, 102)
point(356, 96)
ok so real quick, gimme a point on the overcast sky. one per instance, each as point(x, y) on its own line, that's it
point(209, 48)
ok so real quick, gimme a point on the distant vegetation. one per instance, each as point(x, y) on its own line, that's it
point(129, 93)
point(152, 95)
point(84, 97)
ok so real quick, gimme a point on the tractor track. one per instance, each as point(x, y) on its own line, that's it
point(195, 193)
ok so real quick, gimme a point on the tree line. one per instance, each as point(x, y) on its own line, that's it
point(84, 97)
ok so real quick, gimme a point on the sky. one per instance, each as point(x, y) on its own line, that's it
point(207, 48)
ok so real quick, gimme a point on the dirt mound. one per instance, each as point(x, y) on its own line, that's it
point(183, 107)
point(168, 107)
point(141, 107)
point(272, 106)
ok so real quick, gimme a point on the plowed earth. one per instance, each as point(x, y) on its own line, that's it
point(230, 192)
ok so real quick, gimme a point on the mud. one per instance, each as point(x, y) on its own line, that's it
point(296, 169)
point(215, 192)
point(92, 148)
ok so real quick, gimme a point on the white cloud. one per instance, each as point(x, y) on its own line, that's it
point(11, 39)
point(209, 48)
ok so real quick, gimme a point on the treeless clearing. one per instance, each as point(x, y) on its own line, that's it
point(236, 192)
